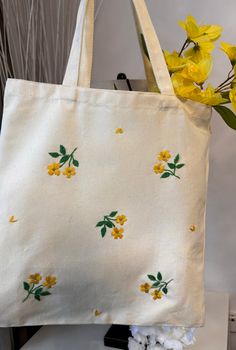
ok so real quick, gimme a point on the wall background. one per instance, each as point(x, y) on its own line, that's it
point(117, 50)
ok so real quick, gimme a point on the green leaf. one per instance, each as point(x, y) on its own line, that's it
point(165, 290)
point(45, 293)
point(38, 291)
point(171, 165)
point(103, 231)
point(54, 154)
point(145, 50)
point(228, 116)
point(109, 224)
point(176, 160)
point(113, 213)
point(151, 277)
point(100, 223)
point(159, 276)
point(75, 163)
point(37, 297)
point(178, 166)
point(62, 150)
point(164, 175)
point(156, 284)
point(64, 159)
point(26, 286)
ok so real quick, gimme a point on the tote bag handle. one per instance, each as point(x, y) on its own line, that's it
point(79, 68)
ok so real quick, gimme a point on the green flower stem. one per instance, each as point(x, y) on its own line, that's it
point(169, 282)
point(224, 82)
point(185, 45)
point(70, 158)
point(29, 293)
point(172, 173)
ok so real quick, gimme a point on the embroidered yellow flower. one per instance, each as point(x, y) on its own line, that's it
point(49, 281)
point(97, 313)
point(12, 219)
point(117, 233)
point(158, 168)
point(164, 155)
point(54, 169)
point(69, 171)
point(156, 294)
point(35, 278)
point(121, 219)
point(145, 287)
point(193, 228)
point(119, 131)
point(230, 51)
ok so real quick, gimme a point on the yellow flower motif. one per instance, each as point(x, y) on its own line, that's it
point(210, 96)
point(164, 155)
point(158, 168)
point(230, 51)
point(97, 313)
point(173, 61)
point(145, 287)
point(157, 294)
point(119, 131)
point(197, 72)
point(35, 278)
point(121, 219)
point(199, 51)
point(232, 96)
point(12, 219)
point(193, 228)
point(117, 233)
point(53, 169)
point(49, 281)
point(69, 171)
point(200, 33)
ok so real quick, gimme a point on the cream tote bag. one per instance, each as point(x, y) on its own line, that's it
point(102, 198)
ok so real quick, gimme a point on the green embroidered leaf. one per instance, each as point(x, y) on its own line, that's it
point(159, 276)
point(151, 277)
point(165, 290)
point(54, 154)
point(228, 116)
point(62, 150)
point(103, 231)
point(171, 165)
point(113, 213)
point(100, 223)
point(176, 160)
point(180, 166)
point(37, 297)
point(38, 291)
point(75, 163)
point(26, 286)
point(45, 293)
point(156, 284)
point(164, 175)
point(64, 159)
point(109, 224)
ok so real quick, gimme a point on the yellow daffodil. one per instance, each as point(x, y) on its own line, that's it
point(199, 51)
point(49, 281)
point(69, 171)
point(145, 287)
point(117, 233)
point(232, 96)
point(53, 169)
point(197, 72)
point(185, 88)
point(164, 155)
point(230, 51)
point(211, 97)
point(157, 294)
point(200, 33)
point(159, 168)
point(35, 278)
point(173, 61)
point(121, 219)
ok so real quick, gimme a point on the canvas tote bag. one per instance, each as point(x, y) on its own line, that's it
point(102, 197)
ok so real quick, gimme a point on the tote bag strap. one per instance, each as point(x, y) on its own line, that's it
point(79, 68)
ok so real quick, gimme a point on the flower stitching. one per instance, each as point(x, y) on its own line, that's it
point(66, 159)
point(108, 223)
point(32, 287)
point(158, 288)
point(97, 313)
point(119, 131)
point(193, 228)
point(170, 170)
point(12, 219)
